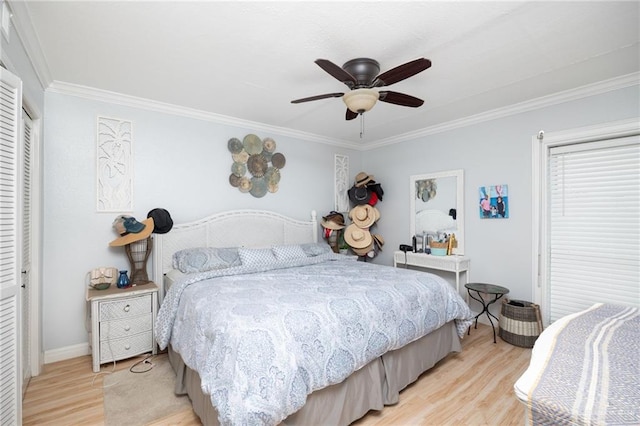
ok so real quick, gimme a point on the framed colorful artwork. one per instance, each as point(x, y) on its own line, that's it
point(494, 202)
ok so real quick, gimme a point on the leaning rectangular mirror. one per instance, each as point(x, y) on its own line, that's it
point(437, 205)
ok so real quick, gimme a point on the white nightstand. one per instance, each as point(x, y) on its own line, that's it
point(122, 321)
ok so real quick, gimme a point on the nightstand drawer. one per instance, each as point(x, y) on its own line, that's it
point(129, 307)
point(125, 327)
point(126, 347)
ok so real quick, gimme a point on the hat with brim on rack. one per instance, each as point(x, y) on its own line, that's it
point(333, 220)
point(378, 241)
point(162, 222)
point(362, 179)
point(359, 195)
point(372, 249)
point(363, 216)
point(357, 238)
point(376, 188)
point(130, 230)
point(363, 251)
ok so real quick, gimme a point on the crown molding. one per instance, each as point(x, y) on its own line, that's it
point(26, 33)
point(530, 105)
point(598, 88)
point(156, 106)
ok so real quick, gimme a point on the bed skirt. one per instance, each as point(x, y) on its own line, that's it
point(371, 388)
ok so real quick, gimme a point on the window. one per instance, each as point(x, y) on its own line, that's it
point(589, 219)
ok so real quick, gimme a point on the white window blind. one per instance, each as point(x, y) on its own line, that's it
point(594, 225)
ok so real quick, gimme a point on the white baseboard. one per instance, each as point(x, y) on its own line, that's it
point(67, 352)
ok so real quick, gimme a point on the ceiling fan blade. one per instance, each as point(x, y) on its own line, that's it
point(400, 99)
point(317, 97)
point(350, 114)
point(336, 72)
point(401, 72)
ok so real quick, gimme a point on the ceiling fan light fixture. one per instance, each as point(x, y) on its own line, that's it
point(360, 100)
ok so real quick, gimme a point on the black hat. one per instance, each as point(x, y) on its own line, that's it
point(359, 195)
point(377, 188)
point(162, 220)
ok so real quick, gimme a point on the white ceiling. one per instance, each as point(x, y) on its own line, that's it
point(248, 60)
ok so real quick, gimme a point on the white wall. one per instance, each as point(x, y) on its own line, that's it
point(491, 153)
point(181, 164)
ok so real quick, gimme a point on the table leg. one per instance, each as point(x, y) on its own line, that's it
point(485, 309)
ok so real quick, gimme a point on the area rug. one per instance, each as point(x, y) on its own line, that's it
point(139, 398)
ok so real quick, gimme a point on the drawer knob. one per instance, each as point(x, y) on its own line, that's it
point(127, 327)
point(127, 308)
point(127, 347)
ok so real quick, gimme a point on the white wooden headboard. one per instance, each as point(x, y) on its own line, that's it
point(235, 228)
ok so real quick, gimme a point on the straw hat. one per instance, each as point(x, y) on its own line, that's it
point(378, 241)
point(362, 179)
point(364, 215)
point(363, 251)
point(357, 238)
point(333, 220)
point(131, 230)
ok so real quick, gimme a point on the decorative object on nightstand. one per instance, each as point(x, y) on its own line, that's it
point(123, 280)
point(121, 322)
point(134, 236)
point(102, 278)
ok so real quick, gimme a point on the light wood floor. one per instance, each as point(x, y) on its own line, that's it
point(474, 387)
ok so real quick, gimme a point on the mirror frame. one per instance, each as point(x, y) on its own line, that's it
point(459, 175)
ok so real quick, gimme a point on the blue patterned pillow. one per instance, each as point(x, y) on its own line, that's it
point(315, 249)
point(288, 252)
point(203, 259)
point(250, 256)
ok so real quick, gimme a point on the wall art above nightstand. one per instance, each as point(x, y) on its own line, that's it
point(114, 159)
point(256, 165)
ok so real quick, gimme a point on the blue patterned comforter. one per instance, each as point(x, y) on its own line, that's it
point(263, 338)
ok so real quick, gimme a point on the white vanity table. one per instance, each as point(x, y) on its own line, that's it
point(454, 264)
point(436, 205)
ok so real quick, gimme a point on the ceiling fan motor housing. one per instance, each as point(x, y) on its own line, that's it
point(365, 70)
point(361, 76)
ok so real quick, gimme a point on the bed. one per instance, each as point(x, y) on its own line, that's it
point(288, 332)
point(585, 370)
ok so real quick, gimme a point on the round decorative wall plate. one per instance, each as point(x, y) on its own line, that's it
point(256, 165)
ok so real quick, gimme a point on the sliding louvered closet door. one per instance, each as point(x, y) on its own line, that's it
point(25, 269)
point(10, 157)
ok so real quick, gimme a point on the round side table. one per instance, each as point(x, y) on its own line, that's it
point(496, 291)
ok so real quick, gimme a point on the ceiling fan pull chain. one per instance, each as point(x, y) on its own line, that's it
point(361, 125)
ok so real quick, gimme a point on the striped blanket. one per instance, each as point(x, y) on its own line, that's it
point(593, 374)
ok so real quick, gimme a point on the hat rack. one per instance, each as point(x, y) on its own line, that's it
point(138, 253)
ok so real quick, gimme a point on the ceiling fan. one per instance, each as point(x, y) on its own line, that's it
point(361, 77)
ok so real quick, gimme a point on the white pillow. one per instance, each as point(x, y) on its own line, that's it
point(250, 256)
point(288, 252)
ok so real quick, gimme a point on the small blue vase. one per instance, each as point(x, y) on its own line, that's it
point(123, 280)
